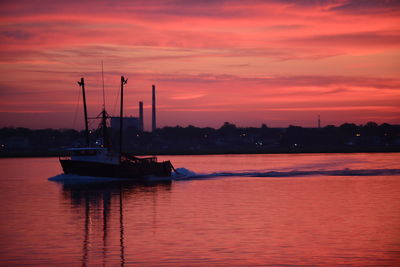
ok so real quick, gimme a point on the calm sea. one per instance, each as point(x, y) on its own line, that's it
point(221, 210)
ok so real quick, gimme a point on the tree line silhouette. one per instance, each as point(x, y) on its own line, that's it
point(229, 138)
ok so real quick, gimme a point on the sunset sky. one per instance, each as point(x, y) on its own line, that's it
point(247, 62)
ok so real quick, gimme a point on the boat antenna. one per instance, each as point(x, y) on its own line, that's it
point(102, 77)
point(123, 82)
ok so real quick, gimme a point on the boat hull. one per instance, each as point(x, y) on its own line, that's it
point(131, 170)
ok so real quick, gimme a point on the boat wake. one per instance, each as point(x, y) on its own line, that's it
point(184, 174)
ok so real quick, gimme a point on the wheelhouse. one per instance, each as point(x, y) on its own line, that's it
point(87, 151)
point(94, 154)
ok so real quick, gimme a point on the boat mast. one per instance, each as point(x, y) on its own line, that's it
point(102, 78)
point(82, 84)
point(104, 114)
point(123, 81)
point(104, 117)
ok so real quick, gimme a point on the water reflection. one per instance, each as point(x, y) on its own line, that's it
point(100, 207)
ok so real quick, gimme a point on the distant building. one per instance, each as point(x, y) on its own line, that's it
point(127, 123)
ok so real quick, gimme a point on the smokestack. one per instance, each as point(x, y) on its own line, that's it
point(141, 116)
point(153, 128)
point(319, 122)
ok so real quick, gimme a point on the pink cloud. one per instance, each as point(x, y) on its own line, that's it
point(239, 58)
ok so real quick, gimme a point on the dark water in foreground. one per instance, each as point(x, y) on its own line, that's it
point(224, 210)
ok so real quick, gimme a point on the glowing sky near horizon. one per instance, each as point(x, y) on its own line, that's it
point(247, 62)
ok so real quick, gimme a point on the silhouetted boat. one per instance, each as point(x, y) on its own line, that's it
point(102, 162)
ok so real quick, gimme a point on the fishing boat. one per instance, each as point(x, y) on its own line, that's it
point(101, 161)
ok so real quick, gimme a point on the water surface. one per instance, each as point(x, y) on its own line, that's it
point(222, 210)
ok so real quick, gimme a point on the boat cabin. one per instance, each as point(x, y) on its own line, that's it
point(94, 154)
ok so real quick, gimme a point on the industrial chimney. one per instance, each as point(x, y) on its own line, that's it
point(141, 126)
point(153, 128)
point(319, 122)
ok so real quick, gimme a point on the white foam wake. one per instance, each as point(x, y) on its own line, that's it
point(184, 174)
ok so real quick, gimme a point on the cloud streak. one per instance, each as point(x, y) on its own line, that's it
point(230, 57)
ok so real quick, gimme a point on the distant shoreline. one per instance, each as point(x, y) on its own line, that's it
point(39, 154)
point(229, 139)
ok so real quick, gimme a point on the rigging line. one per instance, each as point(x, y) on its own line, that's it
point(102, 77)
point(76, 109)
point(91, 124)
